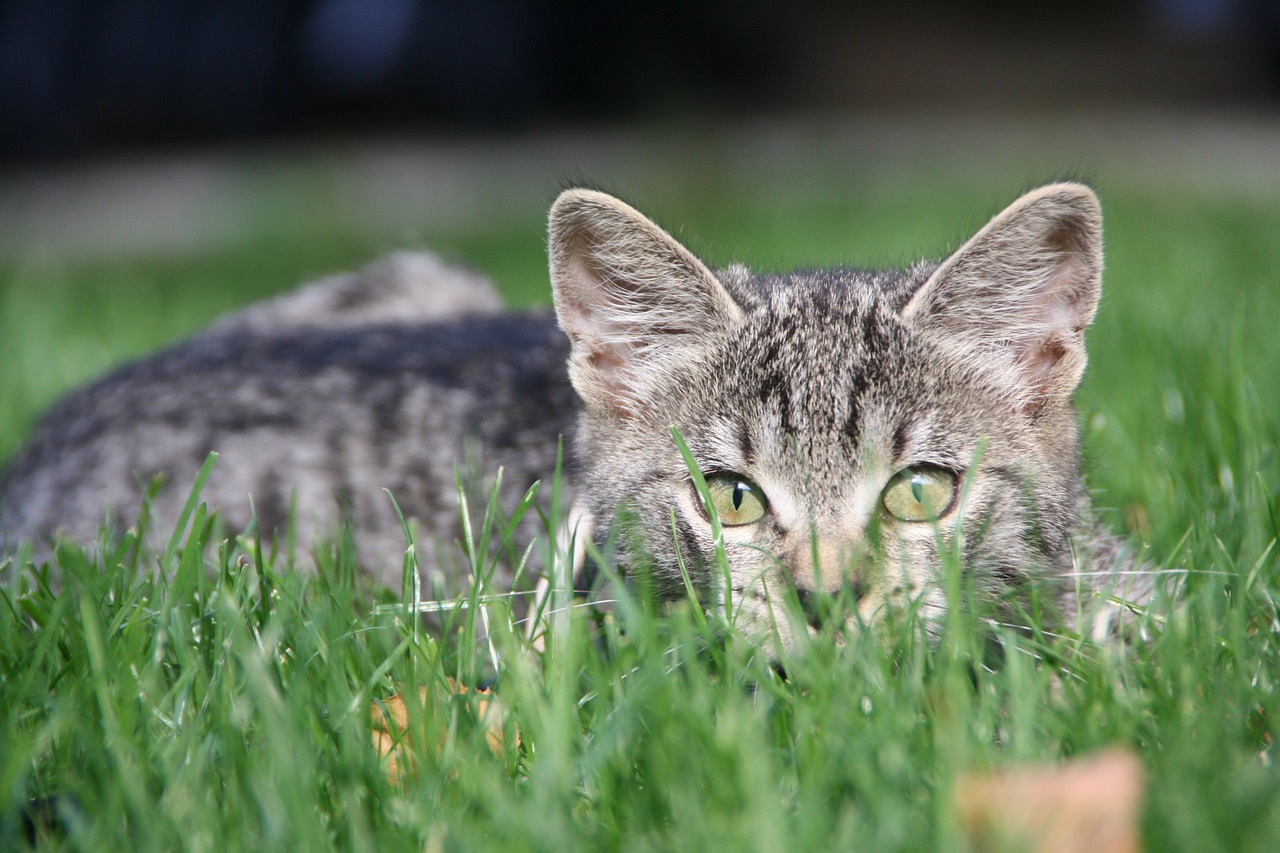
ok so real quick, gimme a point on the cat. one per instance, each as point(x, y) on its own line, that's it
point(849, 429)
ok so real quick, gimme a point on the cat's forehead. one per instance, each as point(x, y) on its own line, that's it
point(809, 344)
point(842, 292)
point(824, 365)
point(843, 317)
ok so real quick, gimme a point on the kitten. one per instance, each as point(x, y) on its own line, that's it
point(854, 428)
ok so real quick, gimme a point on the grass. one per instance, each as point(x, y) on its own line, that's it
point(222, 703)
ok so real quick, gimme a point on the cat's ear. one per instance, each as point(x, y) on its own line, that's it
point(633, 301)
point(1018, 295)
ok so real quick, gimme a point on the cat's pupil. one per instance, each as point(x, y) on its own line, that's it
point(737, 500)
point(917, 489)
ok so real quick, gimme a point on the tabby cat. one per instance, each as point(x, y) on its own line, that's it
point(851, 430)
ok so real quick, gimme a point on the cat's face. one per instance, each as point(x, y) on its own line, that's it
point(855, 431)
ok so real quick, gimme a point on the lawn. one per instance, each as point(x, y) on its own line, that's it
point(223, 703)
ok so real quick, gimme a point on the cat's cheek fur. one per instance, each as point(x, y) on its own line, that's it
point(757, 594)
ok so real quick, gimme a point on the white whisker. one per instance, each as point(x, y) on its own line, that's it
point(1119, 576)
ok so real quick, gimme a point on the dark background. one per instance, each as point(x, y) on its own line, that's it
point(83, 77)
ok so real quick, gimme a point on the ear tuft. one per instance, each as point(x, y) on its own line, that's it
point(1018, 295)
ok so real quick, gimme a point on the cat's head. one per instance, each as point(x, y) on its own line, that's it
point(855, 429)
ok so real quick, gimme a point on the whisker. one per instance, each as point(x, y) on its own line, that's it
point(577, 605)
point(444, 606)
point(463, 602)
point(1143, 573)
point(1015, 626)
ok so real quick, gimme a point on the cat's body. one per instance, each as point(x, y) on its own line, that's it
point(332, 418)
point(318, 403)
point(854, 428)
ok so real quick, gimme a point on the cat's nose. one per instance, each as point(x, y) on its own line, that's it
point(821, 606)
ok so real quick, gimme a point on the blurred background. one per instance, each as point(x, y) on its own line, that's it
point(162, 161)
point(159, 125)
point(79, 77)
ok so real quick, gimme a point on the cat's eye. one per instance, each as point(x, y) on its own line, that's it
point(737, 500)
point(920, 493)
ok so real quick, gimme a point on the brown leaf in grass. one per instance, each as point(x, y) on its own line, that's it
point(390, 723)
point(1089, 805)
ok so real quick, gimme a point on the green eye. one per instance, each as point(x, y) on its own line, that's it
point(920, 493)
point(737, 501)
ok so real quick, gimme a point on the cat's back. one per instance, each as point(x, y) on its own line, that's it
point(314, 420)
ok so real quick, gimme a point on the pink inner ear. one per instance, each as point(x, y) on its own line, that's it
point(612, 370)
point(1062, 293)
point(1049, 354)
point(601, 346)
point(607, 359)
point(603, 340)
point(1039, 358)
point(1059, 306)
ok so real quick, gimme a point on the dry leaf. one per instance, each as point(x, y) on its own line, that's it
point(390, 722)
point(1089, 805)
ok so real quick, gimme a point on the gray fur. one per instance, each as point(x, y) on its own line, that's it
point(318, 400)
point(403, 287)
point(818, 386)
